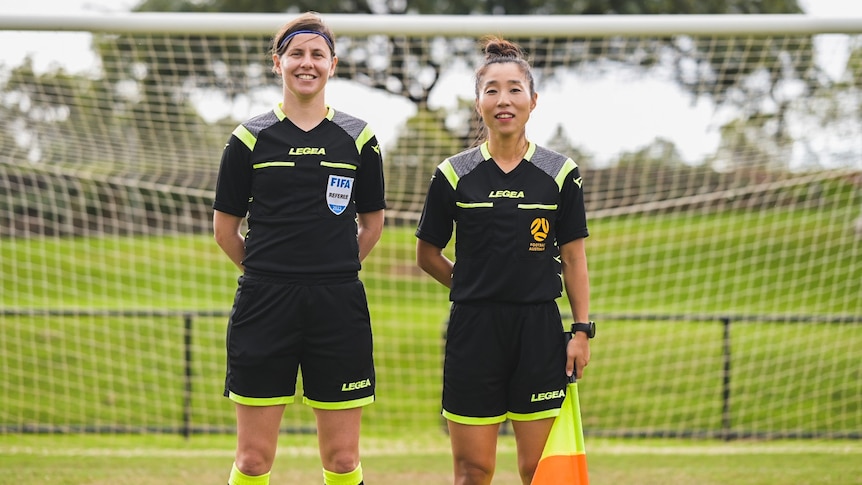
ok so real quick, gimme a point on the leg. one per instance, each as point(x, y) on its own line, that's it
point(474, 452)
point(530, 437)
point(257, 437)
point(338, 438)
point(338, 372)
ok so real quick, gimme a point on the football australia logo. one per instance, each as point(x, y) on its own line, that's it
point(539, 229)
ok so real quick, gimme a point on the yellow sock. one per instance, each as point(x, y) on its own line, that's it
point(349, 478)
point(239, 478)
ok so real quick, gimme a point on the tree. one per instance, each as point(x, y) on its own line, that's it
point(826, 122)
point(67, 173)
point(560, 142)
point(702, 67)
point(744, 147)
point(422, 144)
point(660, 153)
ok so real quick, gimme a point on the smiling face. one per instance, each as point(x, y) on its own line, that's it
point(305, 65)
point(505, 98)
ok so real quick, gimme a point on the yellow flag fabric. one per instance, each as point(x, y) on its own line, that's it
point(564, 459)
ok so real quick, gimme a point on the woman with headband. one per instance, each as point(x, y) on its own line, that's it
point(309, 182)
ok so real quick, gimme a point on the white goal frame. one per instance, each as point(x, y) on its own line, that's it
point(698, 359)
point(446, 25)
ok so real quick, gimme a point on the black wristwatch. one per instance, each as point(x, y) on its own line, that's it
point(588, 328)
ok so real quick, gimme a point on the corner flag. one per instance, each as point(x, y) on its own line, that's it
point(564, 459)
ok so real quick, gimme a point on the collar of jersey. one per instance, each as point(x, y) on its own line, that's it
point(279, 112)
point(531, 149)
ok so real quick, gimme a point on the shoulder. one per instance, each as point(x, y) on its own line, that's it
point(457, 166)
point(248, 131)
point(551, 162)
point(258, 123)
point(356, 127)
point(464, 162)
point(342, 116)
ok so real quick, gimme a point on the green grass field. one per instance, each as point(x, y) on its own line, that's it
point(651, 376)
point(167, 460)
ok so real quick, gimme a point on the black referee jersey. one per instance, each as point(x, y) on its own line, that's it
point(507, 225)
point(301, 191)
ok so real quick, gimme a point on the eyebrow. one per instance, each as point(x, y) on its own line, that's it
point(299, 47)
point(511, 81)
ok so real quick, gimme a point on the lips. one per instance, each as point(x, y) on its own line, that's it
point(504, 116)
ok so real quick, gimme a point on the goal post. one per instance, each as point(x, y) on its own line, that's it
point(723, 176)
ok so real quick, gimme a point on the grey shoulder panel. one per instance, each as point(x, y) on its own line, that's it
point(260, 122)
point(464, 162)
point(349, 123)
point(550, 161)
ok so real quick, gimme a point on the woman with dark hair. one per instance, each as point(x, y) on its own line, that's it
point(517, 210)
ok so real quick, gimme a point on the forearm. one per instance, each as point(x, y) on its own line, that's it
point(578, 293)
point(576, 279)
point(370, 228)
point(234, 247)
point(226, 229)
point(432, 261)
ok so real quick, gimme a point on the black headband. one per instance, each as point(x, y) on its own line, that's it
point(289, 36)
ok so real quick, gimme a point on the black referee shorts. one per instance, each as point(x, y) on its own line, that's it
point(504, 361)
point(322, 329)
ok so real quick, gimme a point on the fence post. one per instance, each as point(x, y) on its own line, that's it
point(187, 396)
point(725, 384)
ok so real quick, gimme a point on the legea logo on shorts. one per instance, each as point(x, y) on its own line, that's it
point(353, 386)
point(544, 396)
point(338, 190)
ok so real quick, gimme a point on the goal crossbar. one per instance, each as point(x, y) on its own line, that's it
point(446, 25)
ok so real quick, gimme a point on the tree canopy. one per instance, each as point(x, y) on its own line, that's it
point(379, 61)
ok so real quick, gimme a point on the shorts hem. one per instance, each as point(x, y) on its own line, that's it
point(550, 413)
point(473, 421)
point(334, 406)
point(260, 401)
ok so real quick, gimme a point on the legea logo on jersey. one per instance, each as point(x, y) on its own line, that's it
point(539, 229)
point(338, 190)
point(506, 194)
point(307, 151)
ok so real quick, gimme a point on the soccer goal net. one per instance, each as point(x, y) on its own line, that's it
point(722, 160)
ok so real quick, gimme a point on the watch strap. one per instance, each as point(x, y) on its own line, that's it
point(588, 328)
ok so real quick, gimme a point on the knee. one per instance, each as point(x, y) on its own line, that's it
point(474, 472)
point(342, 461)
point(253, 462)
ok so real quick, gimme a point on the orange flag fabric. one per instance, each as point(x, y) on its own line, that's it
point(564, 459)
